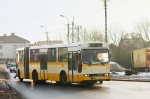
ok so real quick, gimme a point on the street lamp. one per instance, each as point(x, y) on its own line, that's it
point(68, 27)
point(47, 38)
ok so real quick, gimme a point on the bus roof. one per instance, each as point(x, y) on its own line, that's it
point(68, 45)
point(84, 44)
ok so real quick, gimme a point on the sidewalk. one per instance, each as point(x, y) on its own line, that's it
point(143, 76)
point(6, 91)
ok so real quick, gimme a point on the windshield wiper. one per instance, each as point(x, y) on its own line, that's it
point(103, 62)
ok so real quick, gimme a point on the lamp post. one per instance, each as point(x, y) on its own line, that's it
point(47, 38)
point(68, 26)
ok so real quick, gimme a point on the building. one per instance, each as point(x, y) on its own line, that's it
point(8, 45)
point(134, 42)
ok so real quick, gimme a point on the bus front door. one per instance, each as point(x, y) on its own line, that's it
point(72, 67)
point(43, 66)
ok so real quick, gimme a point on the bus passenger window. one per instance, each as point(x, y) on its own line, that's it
point(74, 61)
point(62, 54)
point(35, 55)
point(52, 55)
point(60, 57)
point(70, 61)
point(21, 56)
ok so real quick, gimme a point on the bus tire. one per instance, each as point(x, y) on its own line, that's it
point(57, 83)
point(20, 79)
point(35, 76)
point(101, 81)
point(41, 81)
point(63, 79)
point(91, 83)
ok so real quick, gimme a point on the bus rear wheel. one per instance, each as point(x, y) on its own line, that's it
point(63, 79)
point(101, 81)
point(35, 76)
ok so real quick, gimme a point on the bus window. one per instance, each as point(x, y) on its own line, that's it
point(35, 55)
point(95, 56)
point(79, 63)
point(21, 57)
point(62, 55)
point(70, 61)
point(74, 61)
point(52, 55)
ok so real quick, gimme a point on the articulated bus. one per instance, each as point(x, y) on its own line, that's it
point(85, 63)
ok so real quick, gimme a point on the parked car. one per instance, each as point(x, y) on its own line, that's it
point(12, 67)
point(115, 67)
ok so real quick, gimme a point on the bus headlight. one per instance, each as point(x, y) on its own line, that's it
point(86, 75)
point(105, 74)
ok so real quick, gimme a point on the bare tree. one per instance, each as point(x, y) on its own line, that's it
point(115, 34)
point(143, 28)
point(60, 37)
point(91, 35)
point(97, 36)
point(84, 36)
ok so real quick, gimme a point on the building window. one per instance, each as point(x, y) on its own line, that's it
point(1, 46)
point(52, 55)
point(62, 54)
point(1, 54)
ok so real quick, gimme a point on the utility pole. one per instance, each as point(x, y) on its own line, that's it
point(73, 30)
point(105, 5)
point(79, 27)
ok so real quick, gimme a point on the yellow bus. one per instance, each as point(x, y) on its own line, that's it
point(85, 62)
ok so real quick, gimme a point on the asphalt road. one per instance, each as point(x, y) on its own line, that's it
point(108, 90)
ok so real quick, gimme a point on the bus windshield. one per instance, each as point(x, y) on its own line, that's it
point(95, 56)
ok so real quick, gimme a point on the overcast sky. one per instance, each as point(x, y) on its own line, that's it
point(25, 17)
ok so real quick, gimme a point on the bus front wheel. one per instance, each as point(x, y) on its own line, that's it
point(63, 79)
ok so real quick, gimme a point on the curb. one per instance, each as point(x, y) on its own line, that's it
point(132, 79)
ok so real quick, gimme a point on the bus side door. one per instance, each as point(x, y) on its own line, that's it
point(43, 66)
point(26, 62)
point(72, 67)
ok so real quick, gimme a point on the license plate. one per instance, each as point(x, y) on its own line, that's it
point(97, 78)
